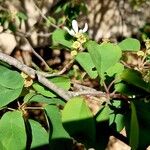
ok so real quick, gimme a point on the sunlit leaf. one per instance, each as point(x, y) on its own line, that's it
point(116, 69)
point(103, 56)
point(135, 78)
point(59, 36)
point(103, 114)
point(116, 119)
point(130, 44)
point(84, 59)
point(78, 120)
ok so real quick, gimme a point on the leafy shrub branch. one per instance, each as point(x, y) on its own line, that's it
point(56, 110)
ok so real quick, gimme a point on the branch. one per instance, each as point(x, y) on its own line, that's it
point(66, 67)
point(44, 81)
point(33, 74)
point(80, 87)
point(94, 93)
point(32, 49)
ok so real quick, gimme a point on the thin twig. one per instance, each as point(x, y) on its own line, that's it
point(110, 85)
point(44, 17)
point(35, 108)
point(32, 49)
point(95, 93)
point(125, 64)
point(10, 109)
point(105, 87)
point(66, 67)
point(37, 55)
point(82, 87)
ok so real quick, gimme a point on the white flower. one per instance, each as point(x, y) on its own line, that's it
point(75, 31)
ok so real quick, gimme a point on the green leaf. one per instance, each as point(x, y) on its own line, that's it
point(76, 109)
point(49, 21)
point(84, 59)
point(135, 78)
point(42, 99)
point(53, 115)
point(8, 95)
point(103, 56)
point(1, 146)
point(28, 97)
point(43, 90)
point(130, 44)
point(12, 131)
point(58, 137)
point(22, 15)
point(134, 129)
point(59, 36)
point(122, 88)
point(62, 82)
point(128, 89)
point(10, 79)
point(78, 120)
point(103, 114)
point(11, 84)
point(116, 119)
point(40, 136)
point(116, 69)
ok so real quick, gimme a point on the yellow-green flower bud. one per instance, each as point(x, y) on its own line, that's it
point(82, 39)
point(148, 51)
point(74, 53)
point(77, 35)
point(76, 45)
point(140, 53)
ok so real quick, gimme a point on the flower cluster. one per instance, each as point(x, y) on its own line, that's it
point(28, 81)
point(78, 34)
point(147, 52)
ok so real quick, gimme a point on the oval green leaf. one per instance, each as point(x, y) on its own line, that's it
point(84, 59)
point(130, 44)
point(12, 131)
point(78, 120)
point(40, 136)
point(103, 56)
point(58, 137)
point(59, 36)
point(11, 84)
